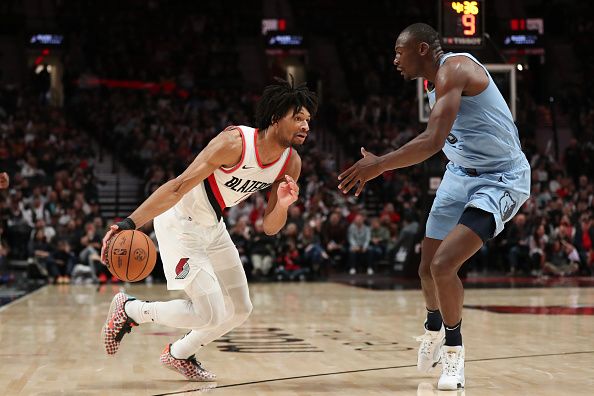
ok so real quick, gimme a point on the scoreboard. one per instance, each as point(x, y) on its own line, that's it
point(462, 23)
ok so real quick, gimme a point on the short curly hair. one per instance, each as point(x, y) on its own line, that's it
point(278, 98)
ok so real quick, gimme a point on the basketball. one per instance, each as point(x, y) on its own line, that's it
point(131, 255)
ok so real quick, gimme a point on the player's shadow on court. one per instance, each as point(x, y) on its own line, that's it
point(325, 384)
point(430, 389)
point(182, 386)
point(154, 387)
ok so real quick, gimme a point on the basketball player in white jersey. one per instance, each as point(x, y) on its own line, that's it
point(196, 249)
point(485, 183)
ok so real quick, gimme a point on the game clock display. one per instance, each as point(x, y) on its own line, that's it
point(461, 23)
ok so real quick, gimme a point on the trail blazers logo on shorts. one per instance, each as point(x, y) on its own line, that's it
point(182, 269)
point(506, 206)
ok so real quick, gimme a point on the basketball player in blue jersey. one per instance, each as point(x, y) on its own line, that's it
point(485, 183)
point(196, 249)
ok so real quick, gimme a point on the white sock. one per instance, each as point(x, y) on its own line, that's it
point(174, 313)
point(186, 346)
point(140, 311)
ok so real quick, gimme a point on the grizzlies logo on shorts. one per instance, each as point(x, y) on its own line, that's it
point(507, 206)
point(500, 193)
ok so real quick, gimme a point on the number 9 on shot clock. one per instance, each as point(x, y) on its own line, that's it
point(462, 23)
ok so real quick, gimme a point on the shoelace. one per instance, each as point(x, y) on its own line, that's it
point(450, 364)
point(126, 328)
point(192, 359)
point(426, 341)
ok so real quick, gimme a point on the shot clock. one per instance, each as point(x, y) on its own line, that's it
point(461, 23)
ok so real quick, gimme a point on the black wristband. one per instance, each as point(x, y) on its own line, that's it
point(126, 224)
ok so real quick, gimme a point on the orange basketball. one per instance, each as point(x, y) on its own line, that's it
point(131, 255)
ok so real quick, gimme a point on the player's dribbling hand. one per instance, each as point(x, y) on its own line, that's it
point(288, 192)
point(361, 172)
point(112, 231)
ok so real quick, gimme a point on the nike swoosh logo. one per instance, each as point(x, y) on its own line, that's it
point(247, 167)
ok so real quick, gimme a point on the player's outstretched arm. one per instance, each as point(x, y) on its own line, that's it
point(284, 192)
point(224, 149)
point(450, 82)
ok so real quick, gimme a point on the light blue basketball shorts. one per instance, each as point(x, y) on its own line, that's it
point(500, 193)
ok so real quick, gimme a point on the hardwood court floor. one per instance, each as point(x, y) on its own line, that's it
point(302, 339)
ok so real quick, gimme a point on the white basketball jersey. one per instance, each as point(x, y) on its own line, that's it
point(227, 187)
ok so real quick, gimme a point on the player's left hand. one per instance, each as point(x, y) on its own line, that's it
point(361, 172)
point(288, 192)
point(113, 229)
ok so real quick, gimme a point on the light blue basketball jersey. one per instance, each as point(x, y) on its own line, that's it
point(484, 136)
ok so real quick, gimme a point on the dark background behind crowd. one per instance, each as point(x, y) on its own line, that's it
point(191, 58)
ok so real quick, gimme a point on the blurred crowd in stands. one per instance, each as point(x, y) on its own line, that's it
point(50, 215)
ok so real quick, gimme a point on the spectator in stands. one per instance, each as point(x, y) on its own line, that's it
point(518, 238)
point(538, 245)
point(584, 243)
point(312, 253)
point(565, 230)
point(334, 238)
point(289, 233)
point(61, 262)
point(562, 259)
point(289, 265)
point(48, 230)
point(295, 217)
point(18, 232)
point(359, 236)
point(572, 159)
point(380, 236)
point(40, 251)
point(406, 239)
point(261, 250)
point(36, 210)
point(390, 213)
point(90, 247)
point(241, 235)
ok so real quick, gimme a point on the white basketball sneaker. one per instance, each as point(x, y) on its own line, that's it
point(452, 373)
point(430, 349)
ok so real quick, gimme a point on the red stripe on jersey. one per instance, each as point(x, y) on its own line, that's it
point(242, 152)
point(280, 174)
point(216, 191)
point(258, 155)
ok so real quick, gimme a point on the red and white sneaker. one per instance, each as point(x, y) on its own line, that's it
point(189, 368)
point(117, 324)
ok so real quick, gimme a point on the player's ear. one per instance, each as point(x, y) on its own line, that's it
point(423, 48)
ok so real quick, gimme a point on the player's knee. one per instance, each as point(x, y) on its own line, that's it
point(242, 311)
point(425, 270)
point(204, 314)
point(217, 318)
point(441, 267)
point(210, 317)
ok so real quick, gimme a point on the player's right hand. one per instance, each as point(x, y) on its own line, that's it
point(114, 229)
point(361, 172)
